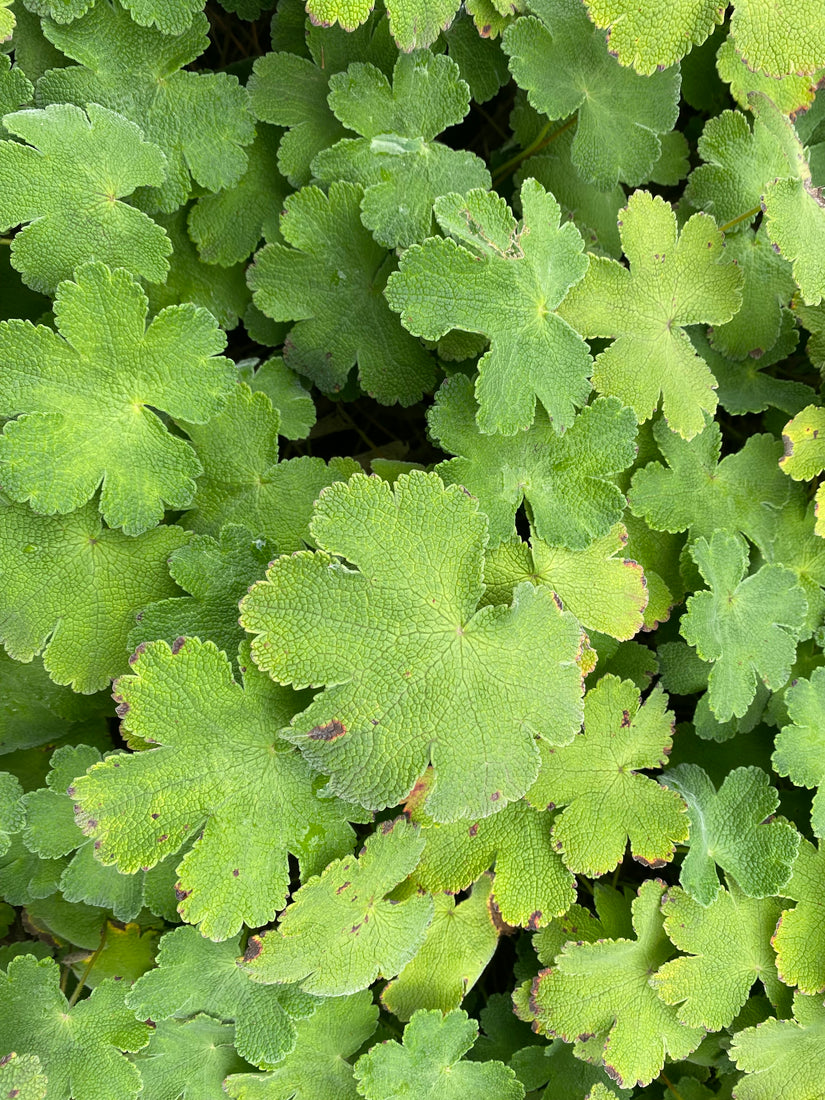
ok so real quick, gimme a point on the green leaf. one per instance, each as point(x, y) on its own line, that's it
point(496, 278)
point(109, 575)
point(744, 492)
point(531, 884)
point(799, 942)
point(253, 796)
point(599, 996)
point(24, 877)
point(243, 482)
point(56, 182)
point(604, 591)
point(12, 814)
point(340, 931)
point(171, 17)
point(317, 1068)
point(729, 829)
point(783, 1057)
point(787, 38)
point(200, 120)
point(566, 480)
point(410, 654)
point(80, 1048)
point(430, 1064)
point(747, 625)
point(596, 779)
point(228, 226)
point(217, 574)
point(396, 159)
point(460, 943)
point(194, 975)
point(330, 284)
point(15, 87)
point(799, 746)
point(84, 402)
point(674, 279)
point(188, 1060)
point(563, 62)
point(286, 391)
point(414, 23)
point(790, 93)
point(21, 1077)
point(647, 36)
point(728, 946)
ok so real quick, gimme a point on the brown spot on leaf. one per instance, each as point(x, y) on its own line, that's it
point(535, 920)
point(625, 719)
point(122, 710)
point(178, 645)
point(331, 731)
point(140, 649)
point(163, 837)
point(253, 948)
point(155, 817)
point(473, 830)
point(70, 792)
point(495, 796)
point(343, 887)
point(181, 894)
point(235, 872)
point(654, 864)
point(355, 929)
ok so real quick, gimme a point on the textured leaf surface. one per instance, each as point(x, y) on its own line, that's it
point(495, 278)
point(743, 492)
point(430, 1064)
point(563, 62)
point(565, 479)
point(596, 779)
point(220, 766)
point(605, 590)
point(729, 829)
point(748, 626)
point(799, 940)
point(72, 587)
point(201, 121)
point(396, 159)
point(800, 746)
point(728, 947)
point(340, 931)
point(599, 994)
point(318, 1068)
point(80, 1048)
point(21, 1076)
point(86, 395)
point(460, 943)
point(330, 284)
point(674, 279)
point(783, 1057)
point(217, 574)
point(410, 654)
point(243, 482)
point(531, 885)
point(12, 816)
point(646, 36)
point(55, 183)
point(188, 1059)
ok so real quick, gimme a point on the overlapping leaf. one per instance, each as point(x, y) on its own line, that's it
point(799, 940)
point(84, 401)
point(414, 673)
point(494, 276)
point(782, 1057)
point(221, 767)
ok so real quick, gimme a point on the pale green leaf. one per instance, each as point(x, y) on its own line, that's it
point(783, 1058)
point(799, 940)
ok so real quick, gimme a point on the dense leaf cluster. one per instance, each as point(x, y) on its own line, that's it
point(412, 562)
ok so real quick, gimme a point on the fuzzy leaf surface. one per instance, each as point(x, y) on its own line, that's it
point(223, 769)
point(201, 121)
point(674, 279)
point(21, 1076)
point(563, 63)
point(340, 931)
point(319, 1066)
point(799, 940)
point(188, 1059)
point(783, 1057)
point(329, 282)
point(729, 829)
point(567, 480)
point(84, 399)
point(598, 995)
point(54, 179)
point(194, 975)
point(494, 276)
point(397, 161)
point(430, 1064)
point(800, 746)
point(410, 654)
point(596, 779)
point(81, 1049)
point(728, 946)
point(72, 587)
point(747, 625)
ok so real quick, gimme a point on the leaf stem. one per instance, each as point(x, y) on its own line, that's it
point(742, 217)
point(544, 138)
point(92, 960)
point(673, 1089)
point(6, 240)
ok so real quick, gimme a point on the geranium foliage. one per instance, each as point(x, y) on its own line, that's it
point(412, 549)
